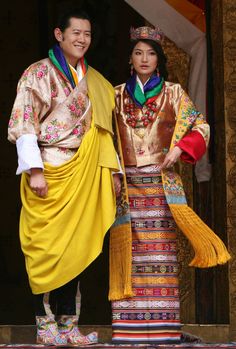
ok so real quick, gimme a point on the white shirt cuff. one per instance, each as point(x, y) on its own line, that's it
point(28, 152)
point(120, 168)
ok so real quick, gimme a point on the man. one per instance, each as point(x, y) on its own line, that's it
point(61, 123)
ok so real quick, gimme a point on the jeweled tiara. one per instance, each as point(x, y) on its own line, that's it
point(149, 33)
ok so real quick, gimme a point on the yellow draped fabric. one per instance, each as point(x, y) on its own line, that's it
point(99, 99)
point(62, 233)
point(120, 258)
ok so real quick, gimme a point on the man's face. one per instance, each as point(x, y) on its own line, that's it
point(75, 40)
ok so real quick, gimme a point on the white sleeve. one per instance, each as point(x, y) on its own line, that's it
point(28, 152)
point(120, 168)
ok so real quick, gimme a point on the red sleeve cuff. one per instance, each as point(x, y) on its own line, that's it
point(193, 146)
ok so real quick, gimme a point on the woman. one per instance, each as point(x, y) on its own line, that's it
point(157, 124)
point(61, 123)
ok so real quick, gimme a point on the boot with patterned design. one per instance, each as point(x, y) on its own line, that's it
point(68, 328)
point(47, 331)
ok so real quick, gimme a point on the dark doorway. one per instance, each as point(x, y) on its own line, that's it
point(26, 30)
point(27, 34)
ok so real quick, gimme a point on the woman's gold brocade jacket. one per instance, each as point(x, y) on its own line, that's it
point(148, 145)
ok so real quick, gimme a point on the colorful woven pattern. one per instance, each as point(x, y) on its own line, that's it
point(130, 346)
point(152, 315)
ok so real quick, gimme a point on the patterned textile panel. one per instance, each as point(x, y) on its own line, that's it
point(152, 315)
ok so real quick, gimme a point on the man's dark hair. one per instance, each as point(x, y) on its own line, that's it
point(160, 54)
point(64, 20)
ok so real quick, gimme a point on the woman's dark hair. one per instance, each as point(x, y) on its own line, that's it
point(63, 21)
point(160, 54)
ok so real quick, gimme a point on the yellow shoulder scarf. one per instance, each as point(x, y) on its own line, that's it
point(63, 233)
point(99, 97)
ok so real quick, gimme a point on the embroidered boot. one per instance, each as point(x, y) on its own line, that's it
point(68, 328)
point(47, 331)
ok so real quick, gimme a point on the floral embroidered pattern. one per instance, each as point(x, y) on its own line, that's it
point(173, 187)
point(186, 118)
point(67, 91)
point(77, 106)
point(53, 130)
point(28, 113)
point(172, 182)
point(15, 117)
point(41, 70)
point(66, 151)
point(25, 75)
point(79, 129)
point(64, 86)
point(54, 91)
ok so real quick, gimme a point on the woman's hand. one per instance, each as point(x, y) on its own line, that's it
point(117, 184)
point(38, 183)
point(171, 157)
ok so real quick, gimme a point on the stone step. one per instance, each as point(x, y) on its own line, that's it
point(27, 333)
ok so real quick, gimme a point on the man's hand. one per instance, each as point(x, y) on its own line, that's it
point(38, 183)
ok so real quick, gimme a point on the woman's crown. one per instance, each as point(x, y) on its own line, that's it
point(147, 33)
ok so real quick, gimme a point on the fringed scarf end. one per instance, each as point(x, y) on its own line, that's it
point(208, 247)
point(120, 262)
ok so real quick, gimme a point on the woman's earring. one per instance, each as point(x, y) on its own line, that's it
point(157, 71)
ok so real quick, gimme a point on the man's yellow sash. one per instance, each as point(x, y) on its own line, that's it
point(62, 233)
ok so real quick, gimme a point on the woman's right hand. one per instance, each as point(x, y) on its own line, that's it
point(171, 157)
point(38, 183)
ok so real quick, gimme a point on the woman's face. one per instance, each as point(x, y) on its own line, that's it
point(144, 60)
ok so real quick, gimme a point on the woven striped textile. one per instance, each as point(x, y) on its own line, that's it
point(128, 346)
point(152, 315)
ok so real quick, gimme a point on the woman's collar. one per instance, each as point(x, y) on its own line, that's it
point(140, 83)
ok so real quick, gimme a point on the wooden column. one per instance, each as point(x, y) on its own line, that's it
point(228, 88)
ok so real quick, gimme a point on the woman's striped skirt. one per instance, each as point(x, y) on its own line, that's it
point(152, 315)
